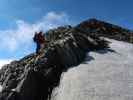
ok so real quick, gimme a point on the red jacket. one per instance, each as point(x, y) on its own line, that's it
point(39, 38)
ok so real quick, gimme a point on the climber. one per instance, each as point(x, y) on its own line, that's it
point(39, 39)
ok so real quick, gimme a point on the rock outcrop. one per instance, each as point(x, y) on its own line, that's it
point(101, 28)
point(35, 76)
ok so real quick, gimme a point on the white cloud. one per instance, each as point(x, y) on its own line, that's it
point(21, 37)
point(4, 61)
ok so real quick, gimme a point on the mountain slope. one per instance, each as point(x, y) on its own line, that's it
point(35, 76)
point(106, 77)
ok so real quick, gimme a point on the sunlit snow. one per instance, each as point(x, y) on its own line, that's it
point(107, 76)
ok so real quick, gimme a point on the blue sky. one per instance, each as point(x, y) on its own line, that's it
point(19, 19)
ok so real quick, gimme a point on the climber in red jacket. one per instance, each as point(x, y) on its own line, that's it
point(39, 39)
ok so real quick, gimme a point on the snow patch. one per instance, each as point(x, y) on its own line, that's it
point(108, 76)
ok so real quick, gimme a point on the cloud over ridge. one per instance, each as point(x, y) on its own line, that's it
point(22, 35)
point(19, 40)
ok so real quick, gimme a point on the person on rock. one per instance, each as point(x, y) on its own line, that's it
point(39, 39)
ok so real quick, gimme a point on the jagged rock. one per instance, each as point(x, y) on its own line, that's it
point(34, 76)
point(101, 28)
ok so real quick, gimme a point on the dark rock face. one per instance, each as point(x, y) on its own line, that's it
point(100, 28)
point(35, 76)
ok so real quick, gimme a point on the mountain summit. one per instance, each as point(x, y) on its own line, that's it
point(34, 77)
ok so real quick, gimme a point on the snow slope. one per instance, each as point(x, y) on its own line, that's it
point(106, 76)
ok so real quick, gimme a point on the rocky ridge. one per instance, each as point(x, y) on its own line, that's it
point(35, 76)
